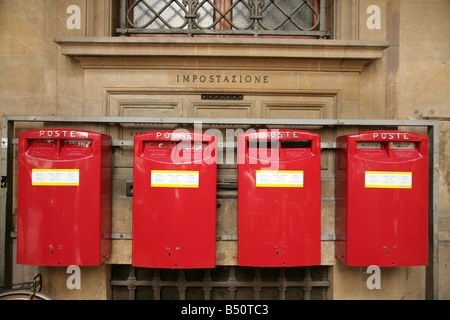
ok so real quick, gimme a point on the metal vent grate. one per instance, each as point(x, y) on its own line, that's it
point(220, 283)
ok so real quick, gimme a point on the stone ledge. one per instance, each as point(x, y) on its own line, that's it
point(173, 52)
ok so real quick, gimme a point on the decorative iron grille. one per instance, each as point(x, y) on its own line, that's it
point(224, 17)
point(220, 283)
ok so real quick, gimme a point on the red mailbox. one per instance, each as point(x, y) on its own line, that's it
point(382, 199)
point(278, 198)
point(174, 200)
point(63, 197)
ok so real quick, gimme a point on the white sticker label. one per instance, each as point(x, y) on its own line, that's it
point(174, 179)
point(274, 178)
point(55, 177)
point(387, 179)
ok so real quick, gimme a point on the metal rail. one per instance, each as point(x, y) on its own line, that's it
point(228, 286)
point(6, 190)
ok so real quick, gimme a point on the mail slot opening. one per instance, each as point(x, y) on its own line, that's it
point(43, 148)
point(261, 144)
point(158, 144)
point(192, 145)
point(369, 144)
point(191, 151)
point(157, 149)
point(402, 145)
point(76, 148)
point(295, 144)
point(77, 143)
point(42, 143)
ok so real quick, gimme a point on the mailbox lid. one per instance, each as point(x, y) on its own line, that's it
point(386, 202)
point(277, 146)
point(174, 200)
point(64, 197)
point(389, 146)
point(276, 228)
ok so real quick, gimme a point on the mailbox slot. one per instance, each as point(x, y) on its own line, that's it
point(295, 144)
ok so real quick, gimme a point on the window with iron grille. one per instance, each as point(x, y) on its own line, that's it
point(220, 283)
point(224, 17)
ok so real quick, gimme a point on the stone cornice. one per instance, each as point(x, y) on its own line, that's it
point(203, 53)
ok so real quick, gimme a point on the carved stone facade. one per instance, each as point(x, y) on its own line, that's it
point(384, 60)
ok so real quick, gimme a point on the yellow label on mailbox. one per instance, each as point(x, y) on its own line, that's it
point(388, 179)
point(174, 179)
point(55, 177)
point(279, 178)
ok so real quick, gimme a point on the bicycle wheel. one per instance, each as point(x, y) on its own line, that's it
point(23, 295)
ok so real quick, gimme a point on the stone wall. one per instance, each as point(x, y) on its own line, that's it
point(386, 60)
